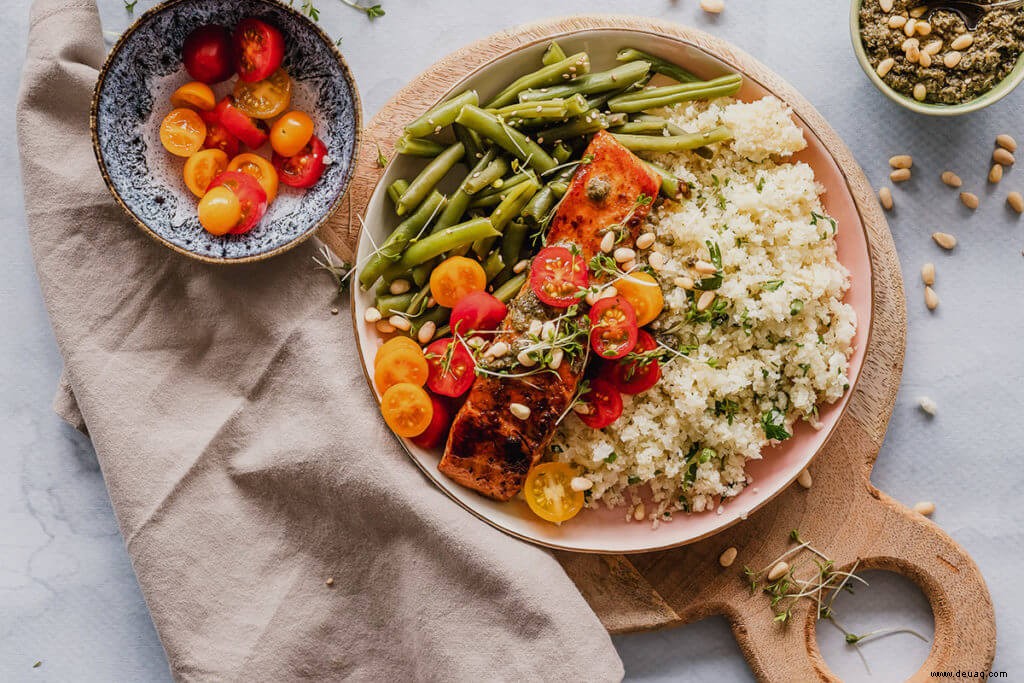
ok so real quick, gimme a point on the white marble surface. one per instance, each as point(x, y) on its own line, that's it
point(69, 599)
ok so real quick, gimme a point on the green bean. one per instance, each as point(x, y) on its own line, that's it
point(658, 65)
point(553, 54)
point(674, 94)
point(540, 205)
point(592, 84)
point(512, 243)
point(552, 74)
point(470, 140)
point(481, 178)
point(562, 152)
point(421, 273)
point(419, 300)
point(493, 265)
point(441, 115)
point(391, 251)
point(396, 189)
point(673, 143)
point(436, 315)
point(459, 201)
point(448, 239)
point(671, 186)
point(393, 303)
point(552, 108)
point(502, 185)
point(509, 139)
point(418, 147)
point(583, 125)
point(429, 177)
point(513, 203)
point(507, 291)
point(651, 126)
point(444, 330)
point(559, 188)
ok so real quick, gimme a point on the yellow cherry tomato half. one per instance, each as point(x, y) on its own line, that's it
point(194, 95)
point(291, 133)
point(401, 365)
point(407, 409)
point(643, 292)
point(454, 278)
point(182, 132)
point(395, 343)
point(219, 210)
point(548, 492)
point(202, 167)
point(260, 169)
point(264, 99)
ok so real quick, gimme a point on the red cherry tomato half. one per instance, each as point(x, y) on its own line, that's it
point(557, 275)
point(451, 368)
point(477, 311)
point(252, 132)
point(613, 329)
point(217, 136)
point(437, 431)
point(305, 168)
point(635, 375)
point(259, 50)
point(208, 55)
point(250, 195)
point(603, 402)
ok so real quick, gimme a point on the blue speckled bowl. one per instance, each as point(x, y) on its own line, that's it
point(131, 99)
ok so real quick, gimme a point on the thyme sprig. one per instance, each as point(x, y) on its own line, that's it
point(311, 11)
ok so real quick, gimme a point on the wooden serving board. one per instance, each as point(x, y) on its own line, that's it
point(844, 515)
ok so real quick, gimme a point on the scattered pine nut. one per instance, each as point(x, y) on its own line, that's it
point(928, 274)
point(705, 301)
point(399, 286)
point(944, 240)
point(805, 479)
point(962, 42)
point(885, 198)
point(623, 254)
point(925, 508)
point(728, 556)
point(910, 42)
point(885, 66)
point(372, 315)
point(608, 242)
point(927, 405)
point(581, 484)
point(519, 411)
point(914, 53)
point(384, 327)
point(520, 267)
point(920, 92)
point(918, 12)
point(951, 59)
point(778, 571)
point(705, 268)
point(640, 512)
point(933, 48)
point(951, 179)
point(897, 21)
point(1003, 156)
point(400, 323)
point(925, 60)
point(931, 299)
point(525, 359)
point(498, 350)
point(1007, 142)
point(1016, 201)
point(923, 28)
point(329, 581)
point(645, 241)
point(426, 332)
point(712, 6)
point(910, 28)
point(556, 359)
point(995, 174)
point(886, 5)
point(656, 260)
point(684, 282)
point(901, 161)
point(970, 200)
point(900, 175)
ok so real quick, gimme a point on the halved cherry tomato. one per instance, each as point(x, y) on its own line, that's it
point(259, 50)
point(291, 133)
point(251, 197)
point(196, 95)
point(603, 402)
point(557, 275)
point(400, 365)
point(252, 132)
point(549, 493)
point(644, 294)
point(392, 344)
point(304, 168)
point(219, 211)
point(207, 54)
point(407, 409)
point(436, 432)
point(454, 278)
point(451, 367)
point(264, 99)
point(477, 311)
point(260, 169)
point(217, 136)
point(182, 132)
point(635, 375)
point(202, 167)
point(613, 328)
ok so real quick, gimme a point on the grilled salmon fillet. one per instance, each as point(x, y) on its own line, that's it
point(489, 449)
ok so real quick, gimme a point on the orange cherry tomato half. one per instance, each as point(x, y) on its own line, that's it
point(219, 211)
point(252, 132)
point(182, 132)
point(217, 136)
point(603, 402)
point(202, 167)
point(452, 368)
point(259, 50)
point(456, 277)
point(195, 95)
point(642, 291)
point(407, 409)
point(400, 365)
point(260, 169)
point(291, 133)
point(557, 275)
point(264, 99)
point(613, 329)
point(394, 343)
point(305, 168)
point(251, 197)
point(548, 492)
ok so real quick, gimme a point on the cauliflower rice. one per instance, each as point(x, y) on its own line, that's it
point(775, 343)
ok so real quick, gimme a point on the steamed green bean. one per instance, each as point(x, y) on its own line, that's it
point(460, 199)
point(674, 94)
point(506, 137)
point(593, 83)
point(480, 178)
point(671, 186)
point(448, 239)
point(429, 177)
point(440, 116)
point(673, 143)
point(582, 125)
point(418, 147)
point(552, 74)
point(507, 291)
point(493, 265)
point(658, 65)
point(396, 189)
point(391, 251)
point(393, 303)
point(553, 54)
point(548, 108)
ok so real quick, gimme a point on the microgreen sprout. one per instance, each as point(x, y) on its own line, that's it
point(340, 272)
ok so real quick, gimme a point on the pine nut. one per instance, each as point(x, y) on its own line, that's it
point(426, 332)
point(431, 302)
point(519, 411)
point(592, 297)
point(645, 241)
point(705, 301)
point(640, 512)
point(944, 240)
point(927, 405)
point(995, 174)
point(1002, 156)
point(918, 12)
point(623, 254)
point(1016, 201)
point(656, 260)
point(910, 27)
point(928, 274)
point(556, 359)
point(705, 268)
point(498, 350)
point(400, 323)
point(951, 179)
point(901, 161)
point(931, 299)
point(778, 571)
point(925, 60)
point(536, 327)
point(925, 508)
point(913, 54)
point(962, 42)
point(371, 315)
point(399, 287)
point(384, 327)
point(886, 5)
point(608, 242)
point(581, 484)
point(609, 292)
point(933, 48)
point(684, 282)
point(970, 200)
point(712, 6)
point(728, 557)
point(525, 359)
point(952, 59)
point(805, 479)
point(900, 175)
point(910, 42)
point(885, 198)
point(920, 92)
point(897, 21)
point(547, 331)
point(885, 66)
point(520, 267)
point(476, 342)
point(1007, 142)
point(923, 28)
point(582, 409)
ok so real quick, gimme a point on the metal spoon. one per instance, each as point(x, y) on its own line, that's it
point(968, 10)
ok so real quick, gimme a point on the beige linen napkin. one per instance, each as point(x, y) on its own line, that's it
point(244, 455)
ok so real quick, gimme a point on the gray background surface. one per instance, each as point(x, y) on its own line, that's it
point(69, 599)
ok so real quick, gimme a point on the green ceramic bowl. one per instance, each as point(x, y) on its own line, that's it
point(1001, 89)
